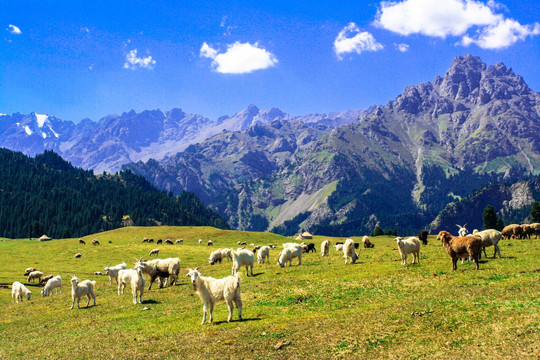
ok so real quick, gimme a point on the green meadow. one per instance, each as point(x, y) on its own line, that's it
point(322, 309)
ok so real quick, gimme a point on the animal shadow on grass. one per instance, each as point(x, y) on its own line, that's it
point(236, 320)
point(150, 302)
point(90, 306)
point(257, 274)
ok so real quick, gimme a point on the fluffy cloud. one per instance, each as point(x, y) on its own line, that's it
point(351, 39)
point(133, 62)
point(14, 30)
point(442, 18)
point(402, 47)
point(240, 58)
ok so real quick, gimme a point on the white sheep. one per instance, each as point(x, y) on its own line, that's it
point(263, 254)
point(200, 241)
point(490, 237)
point(179, 241)
point(154, 252)
point(212, 290)
point(112, 271)
point(18, 290)
point(339, 247)
point(135, 278)
point(80, 289)
point(34, 275)
point(325, 248)
point(242, 257)
point(215, 257)
point(29, 270)
point(289, 253)
point(210, 243)
point(53, 283)
point(348, 251)
point(226, 253)
point(162, 269)
point(409, 246)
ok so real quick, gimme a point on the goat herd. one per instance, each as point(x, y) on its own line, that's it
point(227, 289)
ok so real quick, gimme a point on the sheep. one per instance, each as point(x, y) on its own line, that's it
point(135, 278)
point(154, 252)
point(34, 275)
point(242, 257)
point(112, 271)
point(409, 246)
point(310, 247)
point(289, 253)
point(162, 269)
point(461, 247)
point(348, 251)
point(78, 255)
point(18, 290)
point(536, 229)
point(160, 241)
point(45, 279)
point(29, 270)
point(215, 257)
point(490, 237)
point(272, 246)
point(367, 244)
point(95, 242)
point(80, 289)
point(263, 254)
point(98, 273)
point(423, 235)
point(179, 241)
point(462, 230)
point(209, 243)
point(256, 248)
point(82, 242)
point(339, 247)
point(243, 243)
point(212, 290)
point(144, 240)
point(325, 248)
point(526, 231)
point(150, 240)
point(511, 231)
point(226, 254)
point(200, 241)
point(252, 244)
point(53, 283)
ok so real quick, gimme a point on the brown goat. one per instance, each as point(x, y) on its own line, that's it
point(95, 242)
point(461, 247)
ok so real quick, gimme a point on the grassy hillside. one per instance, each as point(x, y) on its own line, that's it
point(322, 309)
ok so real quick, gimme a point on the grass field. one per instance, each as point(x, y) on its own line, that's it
point(322, 309)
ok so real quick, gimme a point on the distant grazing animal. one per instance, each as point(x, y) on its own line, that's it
point(255, 248)
point(212, 290)
point(408, 246)
point(53, 283)
point(98, 273)
point(151, 240)
point(242, 257)
point(29, 270)
point(367, 244)
point(536, 229)
point(34, 275)
point(526, 231)
point(112, 271)
point(145, 240)
point(461, 247)
point(162, 269)
point(82, 242)
point(243, 243)
point(154, 252)
point(339, 247)
point(45, 279)
point(272, 246)
point(169, 242)
point(215, 257)
point(209, 243)
point(325, 248)
point(179, 241)
point(80, 289)
point(348, 251)
point(18, 290)
point(310, 247)
point(423, 235)
point(78, 255)
point(462, 230)
point(226, 254)
point(200, 241)
point(160, 241)
point(263, 254)
point(95, 242)
point(490, 237)
point(289, 253)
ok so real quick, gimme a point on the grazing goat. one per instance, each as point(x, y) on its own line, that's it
point(154, 252)
point(490, 237)
point(112, 271)
point(80, 289)
point(242, 257)
point(212, 290)
point(34, 275)
point(325, 248)
point(289, 253)
point(310, 247)
point(263, 254)
point(52, 283)
point(179, 241)
point(95, 242)
point(461, 247)
point(45, 279)
point(18, 290)
point(82, 242)
point(367, 244)
point(348, 251)
point(226, 254)
point(422, 235)
point(215, 257)
point(29, 270)
point(462, 230)
point(135, 278)
point(408, 246)
point(162, 269)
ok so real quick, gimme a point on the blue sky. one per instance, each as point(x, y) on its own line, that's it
point(79, 59)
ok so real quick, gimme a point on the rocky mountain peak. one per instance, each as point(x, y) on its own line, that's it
point(463, 77)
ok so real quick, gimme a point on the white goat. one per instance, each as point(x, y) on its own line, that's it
point(348, 251)
point(80, 289)
point(34, 275)
point(490, 237)
point(263, 254)
point(162, 269)
point(289, 253)
point(18, 290)
point(325, 248)
point(135, 278)
point(462, 230)
point(53, 283)
point(226, 253)
point(212, 290)
point(409, 246)
point(242, 257)
point(112, 271)
point(215, 257)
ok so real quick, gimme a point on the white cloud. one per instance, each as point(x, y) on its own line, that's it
point(14, 30)
point(240, 58)
point(351, 39)
point(442, 18)
point(133, 62)
point(402, 47)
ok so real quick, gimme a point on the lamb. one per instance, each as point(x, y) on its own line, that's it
point(423, 235)
point(45, 279)
point(462, 230)
point(135, 278)
point(168, 242)
point(461, 247)
point(18, 290)
point(179, 241)
point(263, 254)
point(242, 257)
point(154, 252)
point(226, 254)
point(95, 242)
point(29, 270)
point(490, 237)
point(212, 290)
point(348, 251)
point(325, 248)
point(82, 242)
point(289, 253)
point(34, 275)
point(367, 244)
point(162, 268)
point(53, 283)
point(209, 243)
point(112, 271)
point(215, 257)
point(80, 289)
point(409, 246)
